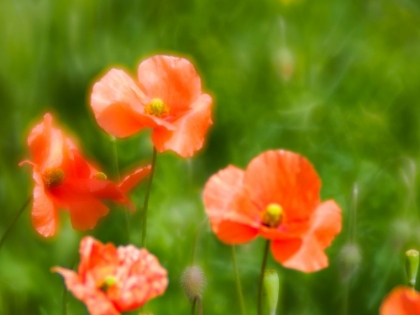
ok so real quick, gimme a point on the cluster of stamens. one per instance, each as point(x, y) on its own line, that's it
point(107, 283)
point(273, 215)
point(53, 177)
point(157, 108)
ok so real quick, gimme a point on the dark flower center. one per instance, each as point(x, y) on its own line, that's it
point(53, 177)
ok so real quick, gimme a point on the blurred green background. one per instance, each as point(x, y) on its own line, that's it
point(337, 81)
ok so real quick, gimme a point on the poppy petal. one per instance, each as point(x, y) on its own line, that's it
point(85, 211)
point(224, 194)
point(95, 300)
point(172, 79)
point(189, 132)
point(285, 178)
point(130, 181)
point(98, 188)
point(44, 212)
point(325, 225)
point(231, 232)
point(401, 301)
point(283, 249)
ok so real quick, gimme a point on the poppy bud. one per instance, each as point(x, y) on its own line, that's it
point(350, 258)
point(412, 265)
point(193, 282)
point(100, 175)
point(271, 290)
point(146, 313)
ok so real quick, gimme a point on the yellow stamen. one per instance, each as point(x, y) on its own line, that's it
point(157, 108)
point(53, 177)
point(273, 215)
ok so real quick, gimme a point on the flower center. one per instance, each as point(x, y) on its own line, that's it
point(100, 175)
point(157, 108)
point(53, 177)
point(107, 283)
point(273, 215)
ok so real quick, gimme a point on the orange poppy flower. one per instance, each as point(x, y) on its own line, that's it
point(276, 197)
point(167, 98)
point(64, 179)
point(401, 301)
point(112, 280)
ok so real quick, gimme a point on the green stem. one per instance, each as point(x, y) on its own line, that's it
point(17, 215)
point(117, 172)
point(146, 199)
point(260, 285)
point(238, 281)
point(200, 306)
point(193, 306)
point(197, 234)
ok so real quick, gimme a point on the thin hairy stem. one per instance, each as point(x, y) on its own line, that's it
point(238, 281)
point(260, 284)
point(17, 215)
point(194, 302)
point(146, 199)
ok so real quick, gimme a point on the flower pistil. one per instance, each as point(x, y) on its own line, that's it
point(157, 108)
point(273, 215)
point(53, 177)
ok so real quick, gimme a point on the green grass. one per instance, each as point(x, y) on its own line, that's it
point(336, 81)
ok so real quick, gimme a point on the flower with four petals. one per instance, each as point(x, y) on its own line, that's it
point(276, 197)
point(167, 98)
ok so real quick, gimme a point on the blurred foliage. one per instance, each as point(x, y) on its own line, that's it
point(336, 81)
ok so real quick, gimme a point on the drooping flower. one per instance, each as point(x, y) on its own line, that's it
point(112, 280)
point(167, 98)
point(401, 301)
point(64, 179)
point(276, 197)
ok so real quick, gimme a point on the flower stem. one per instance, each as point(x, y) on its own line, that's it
point(197, 234)
point(238, 281)
point(17, 215)
point(117, 172)
point(146, 199)
point(260, 285)
point(194, 302)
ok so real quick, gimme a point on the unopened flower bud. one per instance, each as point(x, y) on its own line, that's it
point(193, 282)
point(350, 258)
point(100, 175)
point(145, 313)
point(412, 265)
point(271, 290)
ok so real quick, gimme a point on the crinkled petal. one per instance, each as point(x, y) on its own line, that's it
point(95, 300)
point(401, 301)
point(144, 278)
point(325, 225)
point(172, 79)
point(98, 188)
point(285, 178)
point(44, 212)
point(131, 180)
point(189, 129)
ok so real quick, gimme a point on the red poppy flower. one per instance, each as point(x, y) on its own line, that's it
point(401, 301)
point(112, 280)
point(276, 197)
point(64, 179)
point(167, 98)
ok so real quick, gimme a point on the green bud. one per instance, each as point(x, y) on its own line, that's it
point(271, 290)
point(412, 265)
point(193, 282)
